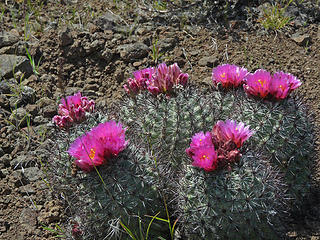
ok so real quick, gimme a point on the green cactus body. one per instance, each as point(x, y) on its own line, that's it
point(124, 196)
point(283, 140)
point(244, 203)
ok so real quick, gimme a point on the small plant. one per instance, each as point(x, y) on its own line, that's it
point(159, 5)
point(57, 231)
point(2, 13)
point(156, 54)
point(274, 18)
point(34, 65)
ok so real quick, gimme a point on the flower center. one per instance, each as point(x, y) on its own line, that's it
point(281, 87)
point(92, 153)
point(261, 82)
point(223, 75)
point(204, 157)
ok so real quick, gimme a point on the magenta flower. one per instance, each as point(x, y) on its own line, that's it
point(258, 83)
point(165, 78)
point(282, 84)
point(199, 140)
point(112, 136)
point(88, 151)
point(139, 82)
point(97, 146)
point(72, 110)
point(206, 158)
point(229, 75)
point(229, 130)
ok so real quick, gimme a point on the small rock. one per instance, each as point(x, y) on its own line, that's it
point(17, 178)
point(32, 109)
point(28, 95)
point(5, 87)
point(108, 21)
point(39, 120)
point(4, 101)
point(208, 61)
point(7, 39)
point(49, 111)
point(8, 63)
point(93, 87)
point(45, 101)
point(51, 212)
point(4, 225)
point(19, 117)
point(167, 44)
point(132, 52)
point(90, 93)
point(195, 52)
point(301, 40)
point(15, 102)
point(32, 174)
point(65, 37)
point(4, 173)
point(107, 55)
point(141, 31)
point(27, 220)
point(137, 64)
point(27, 189)
point(5, 160)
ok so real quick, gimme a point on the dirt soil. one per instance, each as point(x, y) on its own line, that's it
point(95, 47)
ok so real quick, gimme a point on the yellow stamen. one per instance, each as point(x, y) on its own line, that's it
point(204, 157)
point(92, 153)
point(281, 87)
point(223, 75)
point(261, 82)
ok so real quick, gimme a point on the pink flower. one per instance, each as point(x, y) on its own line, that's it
point(229, 130)
point(165, 78)
point(258, 83)
point(139, 82)
point(112, 136)
point(199, 140)
point(229, 75)
point(62, 121)
point(97, 146)
point(206, 158)
point(88, 151)
point(73, 109)
point(282, 84)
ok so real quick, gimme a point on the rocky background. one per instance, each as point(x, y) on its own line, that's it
point(50, 48)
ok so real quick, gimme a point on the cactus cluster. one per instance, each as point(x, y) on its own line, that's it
point(274, 171)
point(118, 193)
point(267, 178)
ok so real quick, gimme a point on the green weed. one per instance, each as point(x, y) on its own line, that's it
point(59, 233)
point(160, 5)
point(35, 66)
point(274, 17)
point(156, 54)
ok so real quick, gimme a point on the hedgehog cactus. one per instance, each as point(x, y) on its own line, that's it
point(237, 204)
point(119, 193)
point(253, 191)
